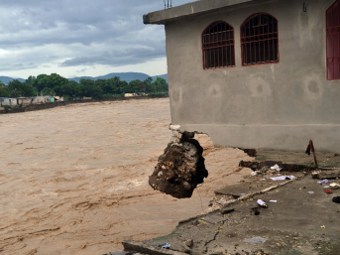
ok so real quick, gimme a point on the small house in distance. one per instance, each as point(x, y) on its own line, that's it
point(255, 74)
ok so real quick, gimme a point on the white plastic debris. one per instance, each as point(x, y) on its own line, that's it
point(166, 246)
point(334, 185)
point(324, 181)
point(283, 178)
point(174, 127)
point(256, 240)
point(261, 203)
point(276, 167)
point(273, 201)
point(311, 192)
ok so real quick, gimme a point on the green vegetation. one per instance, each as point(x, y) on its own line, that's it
point(55, 84)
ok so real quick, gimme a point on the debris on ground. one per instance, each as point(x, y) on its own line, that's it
point(165, 246)
point(336, 200)
point(256, 240)
point(261, 203)
point(326, 174)
point(334, 185)
point(181, 167)
point(283, 178)
point(277, 166)
point(227, 210)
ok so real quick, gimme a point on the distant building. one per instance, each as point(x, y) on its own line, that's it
point(130, 95)
point(255, 74)
point(24, 101)
point(41, 100)
point(8, 102)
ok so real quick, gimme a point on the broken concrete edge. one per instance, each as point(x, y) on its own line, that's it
point(236, 200)
point(141, 247)
point(178, 131)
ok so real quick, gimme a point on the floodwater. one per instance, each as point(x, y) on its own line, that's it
point(74, 179)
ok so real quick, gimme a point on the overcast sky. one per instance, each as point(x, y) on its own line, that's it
point(80, 37)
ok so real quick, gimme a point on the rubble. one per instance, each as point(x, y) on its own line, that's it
point(181, 167)
point(326, 174)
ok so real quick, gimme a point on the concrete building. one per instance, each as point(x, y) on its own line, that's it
point(255, 74)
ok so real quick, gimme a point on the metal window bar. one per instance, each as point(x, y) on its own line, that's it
point(218, 46)
point(167, 4)
point(259, 40)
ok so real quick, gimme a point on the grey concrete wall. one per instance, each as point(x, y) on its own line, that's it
point(280, 105)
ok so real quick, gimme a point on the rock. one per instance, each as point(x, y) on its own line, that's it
point(226, 210)
point(189, 243)
point(336, 200)
point(181, 167)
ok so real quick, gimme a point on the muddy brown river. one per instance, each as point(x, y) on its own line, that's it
point(74, 179)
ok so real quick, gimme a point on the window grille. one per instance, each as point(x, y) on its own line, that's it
point(218, 45)
point(259, 40)
point(333, 41)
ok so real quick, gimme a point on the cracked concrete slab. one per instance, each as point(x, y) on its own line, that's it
point(300, 222)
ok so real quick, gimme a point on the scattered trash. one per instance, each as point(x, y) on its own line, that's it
point(328, 191)
point(323, 226)
point(324, 181)
point(311, 192)
point(255, 210)
point(263, 166)
point(166, 246)
point(273, 201)
point(326, 174)
point(283, 178)
point(256, 240)
point(336, 200)
point(334, 185)
point(261, 203)
point(174, 127)
point(227, 210)
point(276, 167)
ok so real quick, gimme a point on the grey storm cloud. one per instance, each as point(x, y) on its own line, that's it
point(77, 32)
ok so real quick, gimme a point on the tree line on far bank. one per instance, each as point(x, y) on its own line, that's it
point(56, 85)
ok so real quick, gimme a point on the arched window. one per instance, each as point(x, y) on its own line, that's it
point(333, 41)
point(218, 45)
point(259, 40)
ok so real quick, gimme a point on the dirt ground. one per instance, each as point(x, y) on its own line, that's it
point(73, 179)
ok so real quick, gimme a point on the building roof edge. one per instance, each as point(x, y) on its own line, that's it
point(194, 8)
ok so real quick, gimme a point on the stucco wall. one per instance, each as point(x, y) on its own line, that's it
point(280, 105)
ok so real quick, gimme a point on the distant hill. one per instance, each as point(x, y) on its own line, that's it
point(6, 79)
point(163, 76)
point(128, 76)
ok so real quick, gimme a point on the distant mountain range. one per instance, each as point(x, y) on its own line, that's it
point(128, 76)
point(6, 79)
